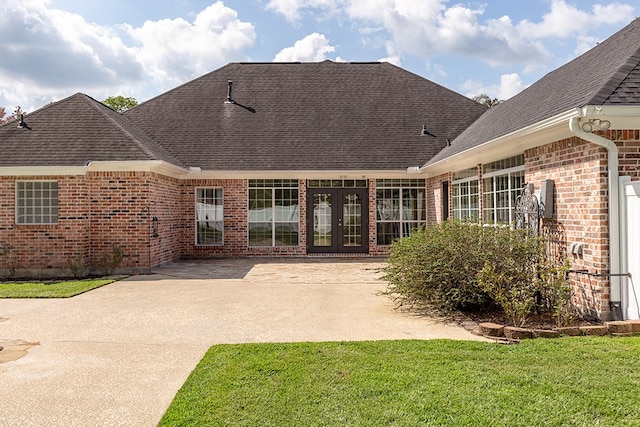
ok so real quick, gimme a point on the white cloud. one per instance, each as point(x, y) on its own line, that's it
point(510, 85)
point(312, 48)
point(429, 28)
point(566, 20)
point(291, 9)
point(48, 54)
point(174, 50)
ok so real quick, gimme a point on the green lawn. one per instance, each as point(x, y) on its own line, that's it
point(55, 289)
point(590, 381)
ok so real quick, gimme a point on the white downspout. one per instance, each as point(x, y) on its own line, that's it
point(615, 294)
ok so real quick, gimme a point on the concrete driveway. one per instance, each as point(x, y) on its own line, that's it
point(117, 355)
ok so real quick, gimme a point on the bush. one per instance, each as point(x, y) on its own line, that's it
point(108, 262)
point(78, 266)
point(438, 267)
point(457, 265)
point(510, 272)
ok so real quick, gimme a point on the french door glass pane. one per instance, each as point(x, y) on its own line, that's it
point(352, 220)
point(322, 206)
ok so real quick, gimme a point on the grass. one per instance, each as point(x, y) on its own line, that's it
point(55, 289)
point(590, 381)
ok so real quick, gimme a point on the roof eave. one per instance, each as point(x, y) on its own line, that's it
point(514, 143)
point(156, 166)
point(196, 173)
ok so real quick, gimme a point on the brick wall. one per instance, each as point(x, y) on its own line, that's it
point(580, 212)
point(628, 142)
point(435, 196)
point(42, 250)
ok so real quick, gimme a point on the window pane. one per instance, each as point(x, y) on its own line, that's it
point(274, 212)
point(260, 234)
point(260, 205)
point(286, 234)
point(36, 202)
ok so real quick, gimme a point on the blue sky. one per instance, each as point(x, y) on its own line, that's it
point(51, 49)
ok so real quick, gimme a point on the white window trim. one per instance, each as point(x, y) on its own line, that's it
point(195, 204)
point(502, 172)
point(17, 203)
point(453, 197)
point(273, 221)
point(401, 221)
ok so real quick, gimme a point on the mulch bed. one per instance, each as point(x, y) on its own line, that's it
point(534, 321)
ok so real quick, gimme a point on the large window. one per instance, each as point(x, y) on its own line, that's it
point(274, 213)
point(465, 194)
point(209, 216)
point(36, 202)
point(400, 208)
point(502, 182)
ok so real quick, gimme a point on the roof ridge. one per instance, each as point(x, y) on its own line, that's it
point(617, 79)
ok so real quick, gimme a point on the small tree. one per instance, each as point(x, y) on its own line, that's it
point(14, 116)
point(120, 103)
point(484, 99)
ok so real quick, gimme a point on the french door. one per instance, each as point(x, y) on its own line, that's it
point(337, 220)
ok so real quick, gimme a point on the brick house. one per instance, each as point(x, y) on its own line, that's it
point(267, 159)
point(252, 159)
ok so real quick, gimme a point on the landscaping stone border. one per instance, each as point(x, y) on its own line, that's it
point(622, 328)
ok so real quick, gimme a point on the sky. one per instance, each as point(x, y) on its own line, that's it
point(51, 49)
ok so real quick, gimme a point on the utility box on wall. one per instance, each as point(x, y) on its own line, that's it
point(546, 198)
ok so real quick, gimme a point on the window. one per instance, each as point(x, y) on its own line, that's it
point(209, 216)
point(274, 213)
point(502, 182)
point(400, 208)
point(465, 195)
point(36, 202)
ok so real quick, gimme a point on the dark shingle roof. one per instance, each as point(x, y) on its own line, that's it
point(306, 116)
point(608, 74)
point(74, 131)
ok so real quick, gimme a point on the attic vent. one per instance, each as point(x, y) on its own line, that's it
point(22, 124)
point(229, 98)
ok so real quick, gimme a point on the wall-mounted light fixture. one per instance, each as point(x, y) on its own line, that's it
point(593, 125)
point(154, 226)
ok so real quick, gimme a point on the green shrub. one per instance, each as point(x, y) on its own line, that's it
point(457, 265)
point(438, 267)
point(108, 262)
point(556, 291)
point(78, 266)
point(510, 272)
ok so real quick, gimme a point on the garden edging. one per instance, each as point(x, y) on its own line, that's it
point(623, 328)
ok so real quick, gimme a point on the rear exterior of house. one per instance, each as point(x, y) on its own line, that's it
point(332, 159)
point(252, 159)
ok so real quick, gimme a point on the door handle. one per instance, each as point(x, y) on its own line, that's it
point(339, 222)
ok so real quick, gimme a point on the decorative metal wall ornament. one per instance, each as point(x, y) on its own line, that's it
point(528, 210)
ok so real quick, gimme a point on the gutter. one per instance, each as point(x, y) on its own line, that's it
point(615, 294)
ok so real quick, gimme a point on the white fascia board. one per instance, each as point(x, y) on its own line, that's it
point(156, 166)
point(295, 174)
point(43, 171)
point(512, 144)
